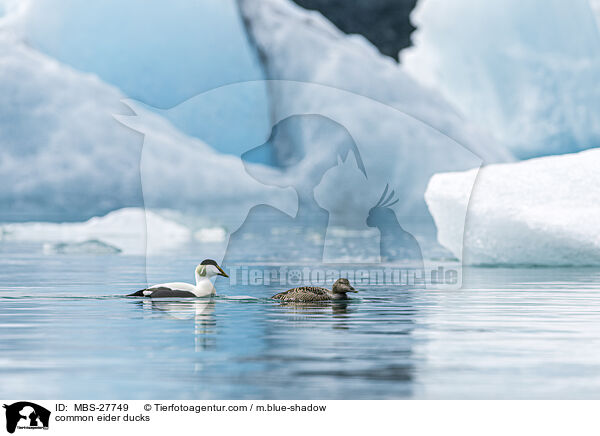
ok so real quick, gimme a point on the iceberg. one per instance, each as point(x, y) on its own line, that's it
point(526, 72)
point(542, 211)
point(403, 131)
point(65, 157)
point(182, 173)
point(155, 52)
point(595, 5)
point(212, 234)
point(9, 8)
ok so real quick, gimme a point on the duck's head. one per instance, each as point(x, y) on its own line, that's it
point(209, 268)
point(341, 286)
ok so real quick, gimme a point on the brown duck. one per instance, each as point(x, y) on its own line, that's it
point(315, 293)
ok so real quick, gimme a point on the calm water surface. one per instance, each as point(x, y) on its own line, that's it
point(65, 332)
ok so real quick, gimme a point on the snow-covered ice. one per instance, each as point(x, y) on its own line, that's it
point(542, 211)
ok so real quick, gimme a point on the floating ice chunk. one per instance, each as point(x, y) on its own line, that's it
point(527, 72)
point(92, 246)
point(541, 211)
point(130, 230)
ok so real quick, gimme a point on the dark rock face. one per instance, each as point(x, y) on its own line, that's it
point(383, 22)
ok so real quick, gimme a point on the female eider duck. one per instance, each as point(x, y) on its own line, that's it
point(203, 288)
point(314, 293)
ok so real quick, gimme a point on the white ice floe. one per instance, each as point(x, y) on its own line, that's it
point(91, 246)
point(542, 211)
point(129, 230)
point(527, 72)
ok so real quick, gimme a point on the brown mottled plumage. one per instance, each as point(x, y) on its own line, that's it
point(315, 293)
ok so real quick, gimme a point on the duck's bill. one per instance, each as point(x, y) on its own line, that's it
point(222, 273)
point(353, 290)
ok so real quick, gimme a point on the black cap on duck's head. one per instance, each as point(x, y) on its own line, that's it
point(209, 268)
point(341, 286)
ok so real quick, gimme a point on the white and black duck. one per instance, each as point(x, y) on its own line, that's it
point(203, 287)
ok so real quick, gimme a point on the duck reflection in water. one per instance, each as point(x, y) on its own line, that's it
point(309, 311)
point(200, 310)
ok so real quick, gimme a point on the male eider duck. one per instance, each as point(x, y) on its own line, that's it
point(203, 288)
point(314, 293)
